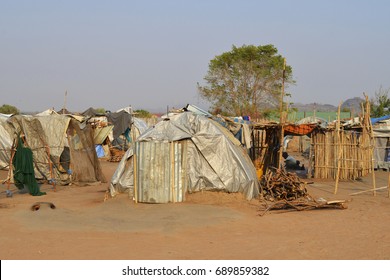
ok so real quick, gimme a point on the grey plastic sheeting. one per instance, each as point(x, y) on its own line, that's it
point(6, 139)
point(214, 162)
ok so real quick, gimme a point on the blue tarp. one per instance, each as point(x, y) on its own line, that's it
point(375, 120)
point(99, 151)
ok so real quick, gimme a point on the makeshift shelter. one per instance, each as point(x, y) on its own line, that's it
point(381, 134)
point(63, 149)
point(184, 154)
point(344, 150)
point(6, 141)
point(114, 131)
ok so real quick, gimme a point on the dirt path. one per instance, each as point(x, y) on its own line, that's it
point(208, 225)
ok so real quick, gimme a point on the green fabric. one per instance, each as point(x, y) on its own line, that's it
point(24, 170)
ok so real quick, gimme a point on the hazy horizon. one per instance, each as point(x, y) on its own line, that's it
point(151, 54)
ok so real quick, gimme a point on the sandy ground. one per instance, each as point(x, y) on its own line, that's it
point(208, 225)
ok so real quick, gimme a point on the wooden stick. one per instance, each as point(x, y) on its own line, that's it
point(340, 151)
point(388, 186)
point(10, 171)
point(281, 118)
point(371, 190)
point(50, 167)
point(368, 122)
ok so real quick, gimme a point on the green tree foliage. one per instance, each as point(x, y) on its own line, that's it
point(101, 110)
point(142, 114)
point(8, 109)
point(240, 82)
point(380, 105)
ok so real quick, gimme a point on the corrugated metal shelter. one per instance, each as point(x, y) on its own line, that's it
point(161, 171)
point(184, 154)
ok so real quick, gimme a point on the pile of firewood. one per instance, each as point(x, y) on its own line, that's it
point(282, 185)
point(284, 191)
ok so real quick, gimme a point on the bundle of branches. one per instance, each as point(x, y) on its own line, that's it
point(282, 185)
point(283, 190)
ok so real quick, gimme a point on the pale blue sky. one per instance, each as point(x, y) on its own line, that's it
point(150, 54)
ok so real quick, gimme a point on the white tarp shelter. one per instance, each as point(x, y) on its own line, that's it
point(61, 147)
point(212, 159)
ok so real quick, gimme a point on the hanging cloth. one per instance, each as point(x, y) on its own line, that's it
point(24, 170)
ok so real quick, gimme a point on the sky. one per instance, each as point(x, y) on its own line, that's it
point(151, 54)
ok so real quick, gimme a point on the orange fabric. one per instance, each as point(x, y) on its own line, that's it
point(302, 129)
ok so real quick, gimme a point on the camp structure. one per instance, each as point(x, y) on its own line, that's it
point(339, 150)
point(113, 131)
point(6, 141)
point(381, 134)
point(185, 153)
point(62, 148)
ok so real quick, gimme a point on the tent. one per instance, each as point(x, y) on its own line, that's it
point(114, 130)
point(184, 154)
point(381, 133)
point(62, 147)
point(6, 141)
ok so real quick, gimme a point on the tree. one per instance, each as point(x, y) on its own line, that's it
point(100, 110)
point(8, 109)
point(246, 80)
point(143, 113)
point(380, 105)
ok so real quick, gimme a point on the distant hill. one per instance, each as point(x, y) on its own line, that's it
point(314, 107)
point(353, 104)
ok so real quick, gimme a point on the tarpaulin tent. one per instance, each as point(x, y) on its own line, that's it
point(6, 141)
point(62, 147)
point(200, 155)
point(117, 128)
point(381, 133)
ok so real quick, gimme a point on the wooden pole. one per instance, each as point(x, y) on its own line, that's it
point(65, 96)
point(371, 190)
point(11, 168)
point(50, 168)
point(388, 186)
point(281, 118)
point(371, 142)
point(340, 150)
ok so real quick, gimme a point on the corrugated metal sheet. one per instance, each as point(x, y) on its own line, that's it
point(160, 171)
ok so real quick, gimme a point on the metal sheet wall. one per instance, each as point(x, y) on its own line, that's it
point(160, 171)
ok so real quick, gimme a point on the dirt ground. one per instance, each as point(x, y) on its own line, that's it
point(207, 226)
